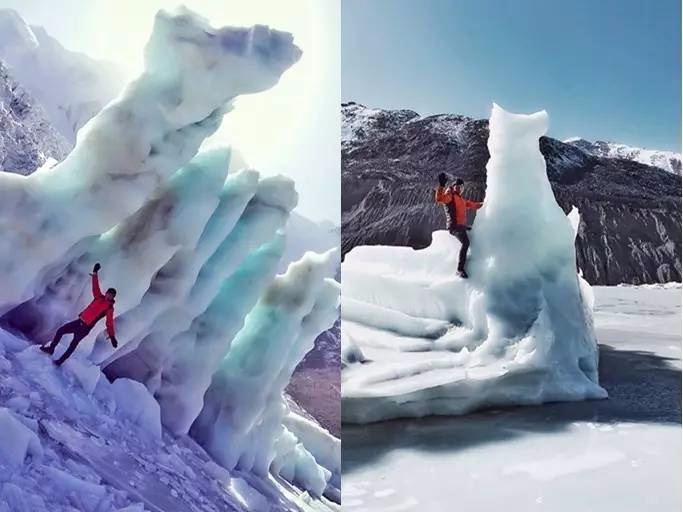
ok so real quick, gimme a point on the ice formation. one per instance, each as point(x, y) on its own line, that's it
point(18, 442)
point(191, 241)
point(122, 154)
point(244, 400)
point(419, 340)
point(135, 403)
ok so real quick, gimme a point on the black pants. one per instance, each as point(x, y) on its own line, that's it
point(78, 328)
point(461, 234)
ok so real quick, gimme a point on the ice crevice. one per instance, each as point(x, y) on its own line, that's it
point(418, 340)
point(192, 242)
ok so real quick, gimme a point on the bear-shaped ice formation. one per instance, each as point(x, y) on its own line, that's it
point(421, 341)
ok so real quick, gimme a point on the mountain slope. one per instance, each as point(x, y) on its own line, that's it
point(630, 227)
point(70, 86)
point(27, 138)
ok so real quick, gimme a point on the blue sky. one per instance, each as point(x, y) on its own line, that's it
point(603, 69)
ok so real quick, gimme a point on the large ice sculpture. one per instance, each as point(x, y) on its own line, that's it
point(192, 242)
point(420, 341)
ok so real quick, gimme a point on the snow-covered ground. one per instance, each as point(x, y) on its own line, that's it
point(70, 441)
point(620, 454)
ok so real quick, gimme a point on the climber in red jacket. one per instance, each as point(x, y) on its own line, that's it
point(455, 207)
point(101, 306)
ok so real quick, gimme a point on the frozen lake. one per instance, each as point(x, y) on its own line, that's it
point(621, 454)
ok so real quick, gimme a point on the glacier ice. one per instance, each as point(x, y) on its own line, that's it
point(244, 400)
point(134, 401)
point(17, 440)
point(193, 242)
point(112, 464)
point(323, 446)
point(418, 340)
point(123, 153)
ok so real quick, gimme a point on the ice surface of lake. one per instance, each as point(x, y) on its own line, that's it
point(621, 454)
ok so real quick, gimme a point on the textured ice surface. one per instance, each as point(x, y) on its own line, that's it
point(74, 450)
point(518, 331)
point(138, 141)
point(244, 401)
point(17, 440)
point(136, 403)
point(192, 242)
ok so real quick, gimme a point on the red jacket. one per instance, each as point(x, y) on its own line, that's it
point(448, 197)
point(98, 308)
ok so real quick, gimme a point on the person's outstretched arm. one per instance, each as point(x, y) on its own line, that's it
point(96, 292)
point(473, 205)
point(442, 195)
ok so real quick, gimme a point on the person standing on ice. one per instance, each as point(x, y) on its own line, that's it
point(455, 207)
point(101, 306)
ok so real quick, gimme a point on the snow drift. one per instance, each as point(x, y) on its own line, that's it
point(192, 242)
point(420, 341)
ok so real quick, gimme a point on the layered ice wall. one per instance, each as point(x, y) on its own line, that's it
point(192, 72)
point(244, 402)
point(191, 241)
point(419, 340)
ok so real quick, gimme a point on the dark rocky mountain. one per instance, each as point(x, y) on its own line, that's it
point(316, 383)
point(630, 230)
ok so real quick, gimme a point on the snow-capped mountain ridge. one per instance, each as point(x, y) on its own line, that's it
point(667, 160)
point(14, 32)
point(630, 228)
point(361, 123)
point(70, 86)
point(27, 137)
